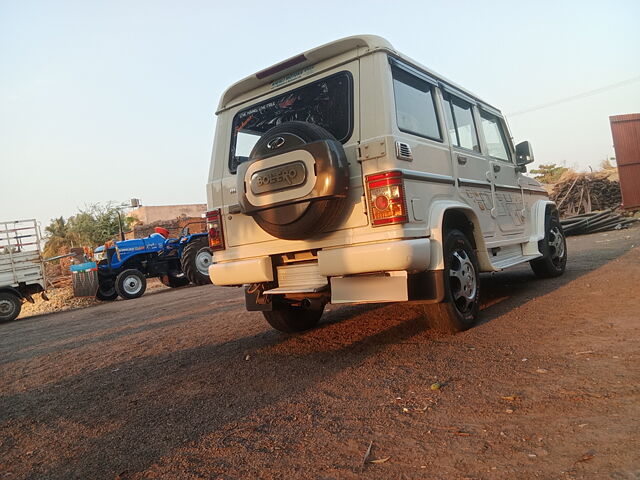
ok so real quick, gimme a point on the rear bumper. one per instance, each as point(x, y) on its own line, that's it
point(412, 255)
point(252, 270)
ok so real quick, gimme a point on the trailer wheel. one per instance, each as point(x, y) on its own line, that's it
point(459, 309)
point(106, 290)
point(131, 284)
point(289, 319)
point(10, 306)
point(195, 260)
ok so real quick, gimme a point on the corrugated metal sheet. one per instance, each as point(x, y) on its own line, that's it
point(626, 141)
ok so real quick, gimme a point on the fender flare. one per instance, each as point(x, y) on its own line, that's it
point(15, 291)
point(436, 220)
point(194, 236)
point(538, 215)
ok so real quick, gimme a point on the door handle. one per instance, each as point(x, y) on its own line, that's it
point(462, 160)
point(496, 168)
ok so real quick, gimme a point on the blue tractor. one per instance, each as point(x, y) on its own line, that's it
point(124, 266)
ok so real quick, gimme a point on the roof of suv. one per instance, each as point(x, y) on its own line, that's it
point(364, 44)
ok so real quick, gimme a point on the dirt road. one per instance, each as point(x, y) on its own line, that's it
point(186, 384)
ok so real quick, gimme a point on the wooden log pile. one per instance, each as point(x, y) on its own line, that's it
point(578, 193)
point(594, 222)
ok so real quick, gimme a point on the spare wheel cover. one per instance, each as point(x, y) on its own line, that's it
point(296, 181)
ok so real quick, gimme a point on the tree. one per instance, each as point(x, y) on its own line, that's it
point(607, 163)
point(549, 173)
point(91, 226)
point(59, 236)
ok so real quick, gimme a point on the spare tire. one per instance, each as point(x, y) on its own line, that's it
point(295, 182)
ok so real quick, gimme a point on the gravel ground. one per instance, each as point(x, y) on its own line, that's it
point(61, 299)
point(186, 384)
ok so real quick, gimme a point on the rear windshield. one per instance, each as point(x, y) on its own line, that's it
point(327, 103)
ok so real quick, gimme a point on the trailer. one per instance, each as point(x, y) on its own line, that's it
point(22, 273)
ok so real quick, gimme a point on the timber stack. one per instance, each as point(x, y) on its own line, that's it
point(579, 193)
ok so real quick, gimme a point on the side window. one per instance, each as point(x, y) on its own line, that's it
point(415, 105)
point(460, 123)
point(495, 137)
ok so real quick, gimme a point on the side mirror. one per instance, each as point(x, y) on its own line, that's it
point(524, 154)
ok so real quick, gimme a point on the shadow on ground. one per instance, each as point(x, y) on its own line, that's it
point(146, 408)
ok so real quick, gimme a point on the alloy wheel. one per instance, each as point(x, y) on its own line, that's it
point(463, 281)
point(556, 245)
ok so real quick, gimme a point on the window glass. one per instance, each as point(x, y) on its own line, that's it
point(415, 107)
point(451, 126)
point(326, 102)
point(462, 127)
point(495, 137)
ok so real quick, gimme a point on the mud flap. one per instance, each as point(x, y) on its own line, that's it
point(427, 286)
point(255, 300)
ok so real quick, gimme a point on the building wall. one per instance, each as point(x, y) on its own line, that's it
point(175, 226)
point(159, 213)
point(626, 141)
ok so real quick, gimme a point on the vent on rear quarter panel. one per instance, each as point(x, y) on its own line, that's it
point(403, 151)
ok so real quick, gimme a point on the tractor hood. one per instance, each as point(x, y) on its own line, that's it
point(151, 243)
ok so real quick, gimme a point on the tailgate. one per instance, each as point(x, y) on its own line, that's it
point(241, 229)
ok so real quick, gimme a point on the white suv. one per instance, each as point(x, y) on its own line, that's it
point(351, 174)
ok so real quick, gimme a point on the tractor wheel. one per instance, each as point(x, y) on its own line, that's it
point(10, 306)
point(106, 290)
point(131, 284)
point(195, 260)
point(174, 282)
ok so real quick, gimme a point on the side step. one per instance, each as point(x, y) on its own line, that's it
point(508, 256)
point(511, 261)
point(300, 289)
point(299, 278)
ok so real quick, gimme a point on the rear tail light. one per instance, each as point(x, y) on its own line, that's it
point(387, 198)
point(214, 227)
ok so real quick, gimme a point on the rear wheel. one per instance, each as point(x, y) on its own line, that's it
point(10, 306)
point(291, 319)
point(459, 309)
point(195, 260)
point(553, 248)
point(131, 284)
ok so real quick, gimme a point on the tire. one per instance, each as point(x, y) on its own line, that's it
point(195, 261)
point(459, 309)
point(553, 248)
point(174, 282)
point(106, 290)
point(299, 221)
point(10, 306)
point(289, 319)
point(131, 284)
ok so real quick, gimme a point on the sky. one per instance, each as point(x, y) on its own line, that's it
point(107, 101)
